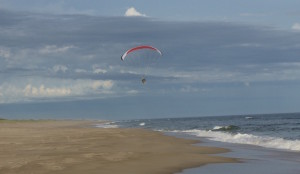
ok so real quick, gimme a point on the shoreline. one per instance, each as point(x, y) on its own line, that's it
point(254, 159)
point(74, 146)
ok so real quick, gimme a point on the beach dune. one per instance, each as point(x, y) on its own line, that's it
point(75, 147)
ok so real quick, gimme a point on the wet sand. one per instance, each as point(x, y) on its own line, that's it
point(74, 147)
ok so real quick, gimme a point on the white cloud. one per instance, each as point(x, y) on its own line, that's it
point(60, 68)
point(296, 26)
point(257, 45)
point(250, 74)
point(133, 92)
point(53, 89)
point(81, 71)
point(5, 53)
point(55, 49)
point(105, 84)
point(133, 12)
point(253, 14)
point(42, 91)
point(99, 71)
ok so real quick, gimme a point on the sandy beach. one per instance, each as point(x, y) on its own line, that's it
point(75, 147)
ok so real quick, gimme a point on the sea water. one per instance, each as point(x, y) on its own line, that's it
point(278, 131)
point(266, 143)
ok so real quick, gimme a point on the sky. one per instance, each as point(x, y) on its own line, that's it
point(61, 58)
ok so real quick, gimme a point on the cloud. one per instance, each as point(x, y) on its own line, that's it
point(97, 70)
point(55, 49)
point(5, 53)
point(253, 14)
point(85, 62)
point(133, 92)
point(133, 12)
point(60, 68)
point(57, 89)
point(245, 45)
point(81, 70)
point(296, 26)
point(102, 84)
point(42, 91)
point(245, 74)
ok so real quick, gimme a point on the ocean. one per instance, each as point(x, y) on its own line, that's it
point(266, 143)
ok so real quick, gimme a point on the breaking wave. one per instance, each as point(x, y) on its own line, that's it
point(240, 138)
point(106, 125)
point(226, 128)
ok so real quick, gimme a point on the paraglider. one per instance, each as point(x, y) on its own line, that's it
point(138, 48)
point(142, 57)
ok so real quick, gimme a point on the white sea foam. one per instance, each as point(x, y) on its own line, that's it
point(225, 128)
point(142, 124)
point(106, 125)
point(264, 141)
point(217, 127)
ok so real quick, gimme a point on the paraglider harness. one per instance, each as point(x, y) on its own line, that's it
point(143, 80)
